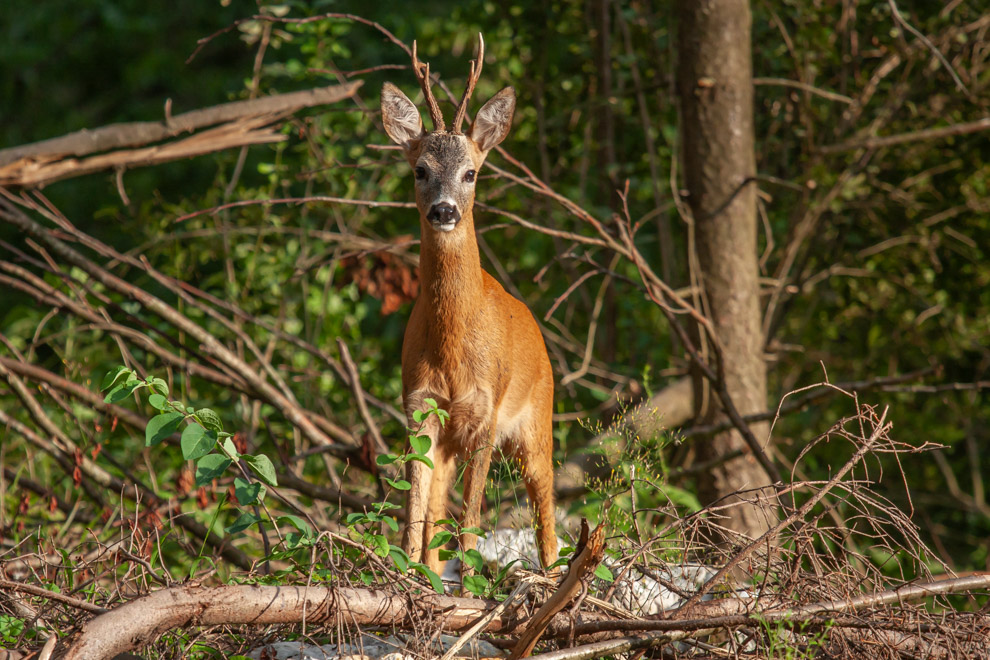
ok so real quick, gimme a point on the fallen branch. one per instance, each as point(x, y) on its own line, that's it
point(141, 621)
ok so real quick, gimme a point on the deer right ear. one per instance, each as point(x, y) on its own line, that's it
point(400, 116)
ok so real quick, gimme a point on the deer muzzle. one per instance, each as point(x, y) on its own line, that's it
point(443, 216)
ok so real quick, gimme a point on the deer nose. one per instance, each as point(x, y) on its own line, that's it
point(443, 214)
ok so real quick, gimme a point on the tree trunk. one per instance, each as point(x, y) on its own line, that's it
point(715, 88)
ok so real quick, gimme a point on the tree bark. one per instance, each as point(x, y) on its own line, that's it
point(715, 89)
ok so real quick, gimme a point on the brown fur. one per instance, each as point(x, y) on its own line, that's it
point(470, 345)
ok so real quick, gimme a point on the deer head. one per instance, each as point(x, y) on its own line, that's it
point(446, 163)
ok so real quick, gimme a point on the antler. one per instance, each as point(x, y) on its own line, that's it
point(423, 76)
point(472, 81)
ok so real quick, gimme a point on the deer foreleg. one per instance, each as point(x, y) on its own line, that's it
point(420, 475)
point(475, 477)
point(436, 508)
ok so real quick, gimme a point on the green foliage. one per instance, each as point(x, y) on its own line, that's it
point(204, 441)
point(11, 628)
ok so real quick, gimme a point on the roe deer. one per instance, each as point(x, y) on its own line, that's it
point(469, 345)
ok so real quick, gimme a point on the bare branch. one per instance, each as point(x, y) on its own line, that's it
point(116, 136)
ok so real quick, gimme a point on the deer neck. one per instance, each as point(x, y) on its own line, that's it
point(451, 282)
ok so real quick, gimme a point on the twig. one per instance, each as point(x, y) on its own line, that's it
point(359, 397)
point(880, 428)
point(913, 136)
point(52, 595)
point(515, 596)
point(896, 13)
point(295, 200)
point(167, 313)
point(882, 383)
point(804, 87)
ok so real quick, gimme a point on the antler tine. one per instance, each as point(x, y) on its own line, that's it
point(472, 81)
point(423, 76)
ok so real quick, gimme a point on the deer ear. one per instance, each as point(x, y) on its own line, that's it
point(400, 116)
point(493, 121)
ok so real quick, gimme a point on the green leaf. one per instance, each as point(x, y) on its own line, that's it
point(422, 459)
point(386, 459)
point(296, 540)
point(210, 419)
point(434, 579)
point(158, 401)
point(161, 427)
point(439, 539)
point(248, 493)
point(243, 522)
point(418, 416)
point(477, 531)
point(121, 391)
point(379, 544)
point(115, 374)
point(476, 584)
point(210, 467)
point(401, 484)
point(400, 558)
point(296, 522)
point(391, 522)
point(473, 559)
point(432, 403)
point(420, 443)
point(604, 573)
point(263, 467)
point(356, 518)
point(231, 450)
point(196, 442)
point(158, 385)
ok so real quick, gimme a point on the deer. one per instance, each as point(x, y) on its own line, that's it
point(469, 345)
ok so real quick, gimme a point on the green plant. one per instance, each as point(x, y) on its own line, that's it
point(11, 628)
point(204, 441)
point(788, 640)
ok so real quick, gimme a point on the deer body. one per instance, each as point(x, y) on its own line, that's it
point(469, 345)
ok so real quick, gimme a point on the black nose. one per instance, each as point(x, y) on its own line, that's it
point(443, 213)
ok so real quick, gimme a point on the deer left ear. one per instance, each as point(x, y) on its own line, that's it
point(493, 121)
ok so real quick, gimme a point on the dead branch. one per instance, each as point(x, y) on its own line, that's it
point(239, 133)
point(208, 342)
point(590, 551)
point(53, 595)
point(117, 136)
point(142, 620)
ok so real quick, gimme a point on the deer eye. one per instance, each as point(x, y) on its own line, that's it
point(469, 176)
point(420, 173)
